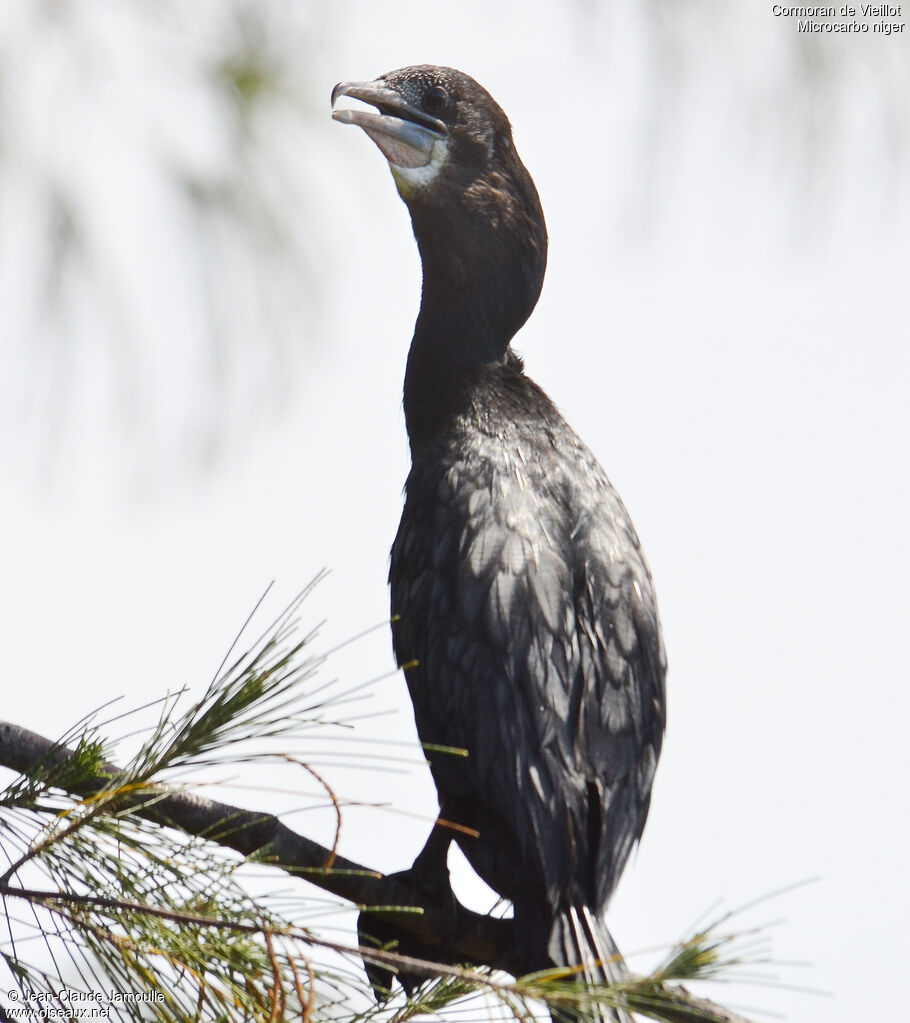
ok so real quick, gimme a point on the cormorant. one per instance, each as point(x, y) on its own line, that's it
point(519, 592)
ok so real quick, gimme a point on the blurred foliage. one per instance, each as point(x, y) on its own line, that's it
point(157, 258)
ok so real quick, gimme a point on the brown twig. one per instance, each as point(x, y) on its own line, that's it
point(330, 792)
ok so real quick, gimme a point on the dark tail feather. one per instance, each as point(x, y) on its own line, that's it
point(578, 938)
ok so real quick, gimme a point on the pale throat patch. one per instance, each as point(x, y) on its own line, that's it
point(411, 179)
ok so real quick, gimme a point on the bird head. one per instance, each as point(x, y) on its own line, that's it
point(436, 126)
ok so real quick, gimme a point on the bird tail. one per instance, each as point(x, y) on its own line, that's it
point(579, 938)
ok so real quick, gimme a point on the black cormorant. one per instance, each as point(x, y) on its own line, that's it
point(519, 590)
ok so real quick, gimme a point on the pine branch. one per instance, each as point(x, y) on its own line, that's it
point(456, 932)
point(470, 938)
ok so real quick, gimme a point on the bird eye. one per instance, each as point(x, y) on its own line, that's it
point(435, 99)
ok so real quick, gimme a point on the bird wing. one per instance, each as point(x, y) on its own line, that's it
point(521, 592)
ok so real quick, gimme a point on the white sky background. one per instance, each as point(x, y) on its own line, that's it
point(724, 322)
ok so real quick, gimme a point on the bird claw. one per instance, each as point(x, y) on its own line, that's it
point(428, 877)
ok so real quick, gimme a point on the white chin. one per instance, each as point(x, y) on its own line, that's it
point(412, 179)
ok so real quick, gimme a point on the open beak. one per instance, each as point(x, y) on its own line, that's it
point(405, 134)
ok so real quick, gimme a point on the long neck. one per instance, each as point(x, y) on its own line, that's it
point(483, 266)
